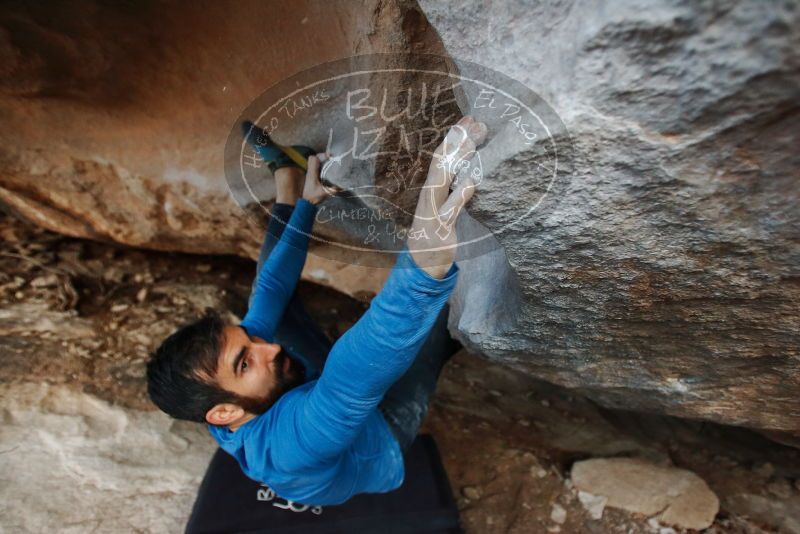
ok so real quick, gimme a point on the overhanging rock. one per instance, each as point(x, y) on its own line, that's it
point(115, 116)
point(666, 277)
point(662, 275)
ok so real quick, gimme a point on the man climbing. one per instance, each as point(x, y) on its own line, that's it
point(315, 436)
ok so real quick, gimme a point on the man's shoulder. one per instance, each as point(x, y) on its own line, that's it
point(284, 406)
point(223, 434)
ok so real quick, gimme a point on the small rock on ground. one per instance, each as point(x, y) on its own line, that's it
point(679, 497)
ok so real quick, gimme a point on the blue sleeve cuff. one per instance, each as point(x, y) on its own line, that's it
point(421, 278)
point(298, 230)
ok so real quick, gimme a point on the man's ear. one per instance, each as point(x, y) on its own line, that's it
point(224, 414)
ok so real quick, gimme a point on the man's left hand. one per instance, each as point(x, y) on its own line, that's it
point(313, 189)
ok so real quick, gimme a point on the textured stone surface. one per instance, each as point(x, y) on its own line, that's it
point(675, 496)
point(114, 117)
point(68, 455)
point(502, 433)
point(666, 276)
point(785, 515)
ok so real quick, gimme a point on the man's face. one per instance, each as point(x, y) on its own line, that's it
point(256, 370)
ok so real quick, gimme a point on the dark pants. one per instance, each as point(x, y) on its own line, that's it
point(405, 404)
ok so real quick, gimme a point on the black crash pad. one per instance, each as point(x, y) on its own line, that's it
point(228, 501)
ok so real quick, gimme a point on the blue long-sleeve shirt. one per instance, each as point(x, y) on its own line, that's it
point(325, 441)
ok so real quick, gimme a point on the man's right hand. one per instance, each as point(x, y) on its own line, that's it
point(432, 239)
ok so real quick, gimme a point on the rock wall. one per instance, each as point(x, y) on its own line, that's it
point(667, 277)
point(115, 116)
point(130, 470)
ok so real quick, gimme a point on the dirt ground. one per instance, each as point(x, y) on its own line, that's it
point(87, 314)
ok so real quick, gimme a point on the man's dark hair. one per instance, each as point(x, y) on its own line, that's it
point(180, 371)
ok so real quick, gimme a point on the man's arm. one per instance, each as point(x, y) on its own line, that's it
point(380, 347)
point(276, 281)
point(434, 241)
point(370, 357)
point(278, 277)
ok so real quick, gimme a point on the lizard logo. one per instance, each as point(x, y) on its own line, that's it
point(381, 118)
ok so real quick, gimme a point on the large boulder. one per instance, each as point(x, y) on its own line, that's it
point(666, 278)
point(115, 116)
point(660, 275)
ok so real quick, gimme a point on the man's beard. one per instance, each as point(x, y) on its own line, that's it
point(285, 382)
